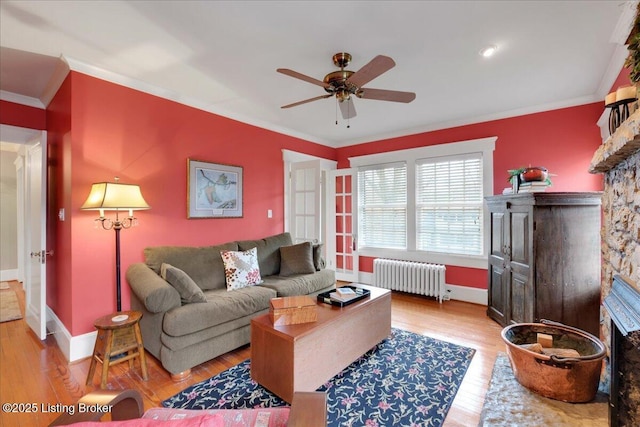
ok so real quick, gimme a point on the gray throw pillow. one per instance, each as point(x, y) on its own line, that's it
point(318, 261)
point(186, 287)
point(296, 259)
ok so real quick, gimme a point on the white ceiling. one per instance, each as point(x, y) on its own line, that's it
point(222, 56)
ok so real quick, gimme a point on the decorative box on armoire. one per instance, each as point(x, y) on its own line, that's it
point(544, 259)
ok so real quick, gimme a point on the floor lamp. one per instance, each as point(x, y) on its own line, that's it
point(114, 196)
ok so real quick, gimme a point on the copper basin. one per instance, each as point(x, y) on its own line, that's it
point(569, 379)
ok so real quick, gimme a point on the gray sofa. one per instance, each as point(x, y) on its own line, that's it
point(183, 334)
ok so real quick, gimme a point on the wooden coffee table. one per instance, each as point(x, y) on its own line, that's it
point(303, 357)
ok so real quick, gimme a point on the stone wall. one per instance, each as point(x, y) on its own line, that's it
point(619, 159)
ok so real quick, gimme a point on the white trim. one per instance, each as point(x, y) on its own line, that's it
point(55, 81)
point(296, 157)
point(468, 294)
point(603, 124)
point(613, 70)
point(110, 76)
point(289, 157)
point(21, 99)
point(619, 36)
point(455, 292)
point(444, 149)
point(7, 275)
point(430, 257)
point(90, 70)
point(625, 22)
point(73, 348)
point(542, 108)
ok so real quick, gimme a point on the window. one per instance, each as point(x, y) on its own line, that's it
point(426, 204)
point(382, 206)
point(449, 204)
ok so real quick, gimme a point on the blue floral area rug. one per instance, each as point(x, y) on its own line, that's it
point(406, 380)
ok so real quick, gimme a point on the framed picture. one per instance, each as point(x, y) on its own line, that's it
point(214, 190)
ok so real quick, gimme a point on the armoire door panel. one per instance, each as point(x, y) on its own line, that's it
point(520, 237)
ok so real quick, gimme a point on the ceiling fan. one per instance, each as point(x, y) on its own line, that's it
point(344, 83)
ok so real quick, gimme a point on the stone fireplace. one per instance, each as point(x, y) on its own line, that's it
point(619, 160)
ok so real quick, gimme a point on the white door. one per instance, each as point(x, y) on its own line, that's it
point(36, 239)
point(306, 218)
point(342, 255)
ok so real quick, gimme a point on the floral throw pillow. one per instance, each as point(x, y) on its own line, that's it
point(241, 268)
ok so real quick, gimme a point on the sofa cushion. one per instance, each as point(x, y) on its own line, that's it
point(268, 251)
point(186, 287)
point(296, 259)
point(301, 284)
point(318, 261)
point(203, 264)
point(221, 306)
point(241, 268)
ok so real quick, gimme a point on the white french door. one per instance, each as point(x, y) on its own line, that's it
point(342, 226)
point(36, 239)
point(306, 218)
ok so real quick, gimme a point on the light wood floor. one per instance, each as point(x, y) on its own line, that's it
point(34, 371)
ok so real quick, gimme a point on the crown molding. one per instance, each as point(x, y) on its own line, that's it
point(478, 119)
point(21, 99)
point(625, 22)
point(613, 70)
point(132, 83)
point(55, 81)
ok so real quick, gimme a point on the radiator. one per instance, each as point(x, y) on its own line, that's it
point(408, 276)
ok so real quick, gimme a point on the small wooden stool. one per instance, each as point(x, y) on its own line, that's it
point(115, 338)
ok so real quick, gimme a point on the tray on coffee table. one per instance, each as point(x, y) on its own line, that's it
point(325, 297)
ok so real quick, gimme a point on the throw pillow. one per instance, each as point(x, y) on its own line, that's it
point(296, 259)
point(318, 261)
point(186, 287)
point(241, 268)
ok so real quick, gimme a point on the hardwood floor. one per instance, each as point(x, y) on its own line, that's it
point(34, 371)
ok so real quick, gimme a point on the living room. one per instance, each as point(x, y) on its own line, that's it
point(101, 124)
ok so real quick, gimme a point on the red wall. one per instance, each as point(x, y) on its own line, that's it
point(146, 140)
point(98, 130)
point(22, 115)
point(563, 141)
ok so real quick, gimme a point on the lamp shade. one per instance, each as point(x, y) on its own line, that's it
point(114, 196)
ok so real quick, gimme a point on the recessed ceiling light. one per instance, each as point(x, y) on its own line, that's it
point(489, 51)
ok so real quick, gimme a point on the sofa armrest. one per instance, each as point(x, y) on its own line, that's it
point(152, 290)
point(121, 404)
point(308, 409)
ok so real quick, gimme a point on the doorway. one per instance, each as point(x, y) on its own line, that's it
point(24, 233)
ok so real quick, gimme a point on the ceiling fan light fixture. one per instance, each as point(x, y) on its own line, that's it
point(343, 95)
point(489, 51)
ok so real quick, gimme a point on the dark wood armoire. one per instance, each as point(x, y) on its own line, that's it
point(544, 259)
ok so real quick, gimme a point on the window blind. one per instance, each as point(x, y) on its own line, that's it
point(382, 206)
point(449, 193)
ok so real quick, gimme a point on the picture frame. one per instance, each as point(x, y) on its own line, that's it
point(214, 190)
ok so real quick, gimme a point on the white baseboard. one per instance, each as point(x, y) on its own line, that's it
point(468, 294)
point(456, 292)
point(7, 275)
point(73, 348)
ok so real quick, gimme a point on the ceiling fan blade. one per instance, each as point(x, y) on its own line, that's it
point(295, 104)
point(347, 108)
point(386, 95)
point(378, 65)
point(300, 76)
